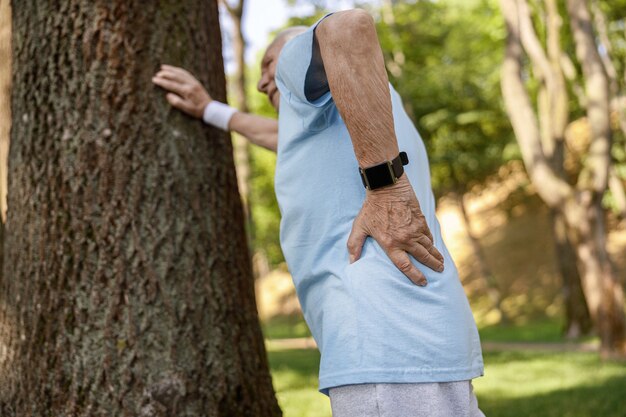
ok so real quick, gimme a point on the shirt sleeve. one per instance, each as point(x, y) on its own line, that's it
point(300, 71)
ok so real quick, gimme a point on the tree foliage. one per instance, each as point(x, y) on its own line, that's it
point(450, 83)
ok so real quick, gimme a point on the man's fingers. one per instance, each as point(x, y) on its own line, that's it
point(428, 245)
point(172, 86)
point(402, 261)
point(428, 234)
point(435, 253)
point(169, 75)
point(356, 240)
point(178, 76)
point(177, 70)
point(179, 103)
point(425, 257)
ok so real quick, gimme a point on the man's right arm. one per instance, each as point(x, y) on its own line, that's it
point(262, 131)
point(187, 94)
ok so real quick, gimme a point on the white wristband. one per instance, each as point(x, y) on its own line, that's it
point(218, 114)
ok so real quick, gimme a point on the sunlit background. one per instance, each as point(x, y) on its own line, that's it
point(445, 59)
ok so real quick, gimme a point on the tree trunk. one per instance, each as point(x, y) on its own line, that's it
point(603, 290)
point(554, 117)
point(577, 317)
point(5, 100)
point(5, 125)
point(592, 251)
point(546, 137)
point(128, 288)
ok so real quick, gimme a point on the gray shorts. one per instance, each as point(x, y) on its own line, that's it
point(436, 399)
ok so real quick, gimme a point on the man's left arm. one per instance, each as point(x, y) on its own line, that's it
point(355, 69)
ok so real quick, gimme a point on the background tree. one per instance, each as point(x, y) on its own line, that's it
point(580, 204)
point(241, 146)
point(552, 101)
point(127, 285)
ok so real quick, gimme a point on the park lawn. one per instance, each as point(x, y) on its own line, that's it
point(516, 384)
point(540, 330)
point(285, 327)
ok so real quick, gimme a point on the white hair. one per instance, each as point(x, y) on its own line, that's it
point(287, 34)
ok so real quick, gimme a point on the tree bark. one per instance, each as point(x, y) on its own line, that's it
point(603, 289)
point(127, 285)
point(5, 100)
point(577, 318)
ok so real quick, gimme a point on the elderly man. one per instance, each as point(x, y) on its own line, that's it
point(358, 227)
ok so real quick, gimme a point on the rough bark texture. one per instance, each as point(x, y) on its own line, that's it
point(5, 100)
point(127, 285)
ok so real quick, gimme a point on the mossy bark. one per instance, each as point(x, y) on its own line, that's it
point(127, 286)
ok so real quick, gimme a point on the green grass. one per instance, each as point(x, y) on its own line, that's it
point(294, 373)
point(544, 330)
point(516, 384)
point(285, 327)
point(551, 385)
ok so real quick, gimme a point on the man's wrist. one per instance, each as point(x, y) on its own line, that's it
point(401, 186)
point(218, 114)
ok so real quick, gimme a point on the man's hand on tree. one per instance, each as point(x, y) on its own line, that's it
point(185, 91)
point(393, 217)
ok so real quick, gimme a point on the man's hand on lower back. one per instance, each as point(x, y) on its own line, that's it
point(393, 217)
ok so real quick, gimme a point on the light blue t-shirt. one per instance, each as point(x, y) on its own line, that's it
point(370, 322)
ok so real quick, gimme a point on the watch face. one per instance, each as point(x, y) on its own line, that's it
point(379, 176)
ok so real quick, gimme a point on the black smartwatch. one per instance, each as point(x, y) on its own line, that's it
point(383, 174)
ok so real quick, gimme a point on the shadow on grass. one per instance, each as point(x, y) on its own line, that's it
point(606, 400)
